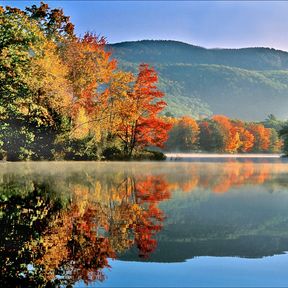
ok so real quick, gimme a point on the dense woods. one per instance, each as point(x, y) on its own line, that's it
point(223, 135)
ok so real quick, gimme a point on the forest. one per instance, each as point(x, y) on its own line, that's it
point(223, 135)
point(63, 97)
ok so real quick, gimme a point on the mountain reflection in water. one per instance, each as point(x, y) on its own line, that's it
point(62, 222)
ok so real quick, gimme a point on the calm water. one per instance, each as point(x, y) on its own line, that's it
point(144, 224)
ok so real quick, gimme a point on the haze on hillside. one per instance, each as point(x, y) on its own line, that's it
point(247, 83)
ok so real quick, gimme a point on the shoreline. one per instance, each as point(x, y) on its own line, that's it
point(174, 156)
point(170, 157)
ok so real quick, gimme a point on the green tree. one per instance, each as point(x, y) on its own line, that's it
point(184, 136)
point(272, 122)
point(284, 134)
point(211, 136)
point(275, 142)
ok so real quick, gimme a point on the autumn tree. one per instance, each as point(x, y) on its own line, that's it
point(211, 137)
point(246, 138)
point(63, 96)
point(261, 137)
point(230, 133)
point(89, 72)
point(100, 92)
point(32, 102)
point(53, 22)
point(184, 135)
point(140, 125)
point(221, 134)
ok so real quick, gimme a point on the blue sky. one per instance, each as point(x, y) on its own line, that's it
point(209, 23)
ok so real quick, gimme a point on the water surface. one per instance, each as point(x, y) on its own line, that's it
point(144, 224)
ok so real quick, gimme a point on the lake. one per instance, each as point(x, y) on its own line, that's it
point(158, 224)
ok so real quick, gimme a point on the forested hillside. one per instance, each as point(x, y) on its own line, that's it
point(244, 83)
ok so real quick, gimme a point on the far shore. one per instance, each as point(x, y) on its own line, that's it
point(175, 156)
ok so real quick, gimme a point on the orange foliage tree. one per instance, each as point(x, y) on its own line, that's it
point(231, 136)
point(184, 135)
point(246, 137)
point(90, 71)
point(140, 124)
point(110, 104)
point(221, 134)
point(261, 137)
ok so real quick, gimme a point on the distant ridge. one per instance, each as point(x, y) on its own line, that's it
point(247, 83)
point(169, 51)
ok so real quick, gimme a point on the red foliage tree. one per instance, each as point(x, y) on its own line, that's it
point(140, 124)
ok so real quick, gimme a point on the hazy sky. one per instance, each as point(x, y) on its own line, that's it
point(208, 24)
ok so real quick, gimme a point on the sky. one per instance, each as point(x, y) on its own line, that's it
point(211, 24)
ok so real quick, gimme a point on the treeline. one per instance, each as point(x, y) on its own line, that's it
point(223, 135)
point(63, 97)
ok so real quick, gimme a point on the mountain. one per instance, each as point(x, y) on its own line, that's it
point(247, 83)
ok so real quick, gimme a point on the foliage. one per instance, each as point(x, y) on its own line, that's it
point(184, 135)
point(149, 155)
point(284, 135)
point(53, 22)
point(140, 126)
point(211, 137)
point(272, 122)
point(34, 91)
point(62, 96)
point(221, 134)
point(113, 153)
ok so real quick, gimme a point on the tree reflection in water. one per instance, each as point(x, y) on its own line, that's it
point(61, 227)
point(55, 238)
point(221, 178)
